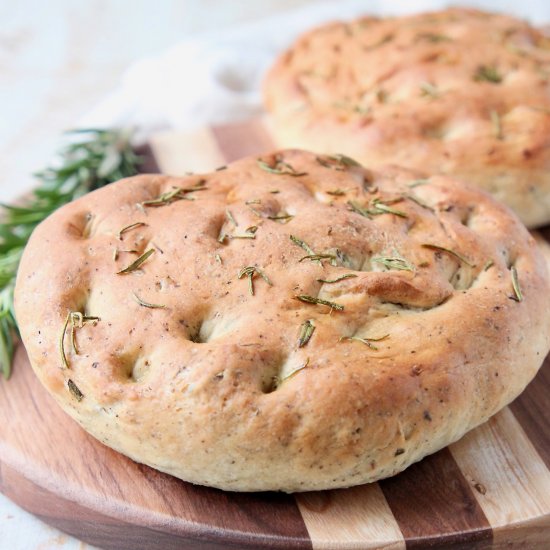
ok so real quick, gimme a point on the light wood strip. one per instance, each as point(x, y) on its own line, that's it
point(179, 152)
point(350, 518)
point(511, 482)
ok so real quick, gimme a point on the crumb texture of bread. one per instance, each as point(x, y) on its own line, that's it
point(461, 92)
point(293, 322)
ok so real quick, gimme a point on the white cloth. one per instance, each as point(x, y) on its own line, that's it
point(216, 77)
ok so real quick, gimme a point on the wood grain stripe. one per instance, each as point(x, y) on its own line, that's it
point(532, 407)
point(513, 483)
point(532, 410)
point(240, 140)
point(433, 504)
point(350, 518)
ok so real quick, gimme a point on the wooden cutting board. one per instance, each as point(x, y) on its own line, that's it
point(489, 490)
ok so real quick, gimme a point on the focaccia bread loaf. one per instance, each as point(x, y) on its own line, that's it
point(461, 92)
point(287, 323)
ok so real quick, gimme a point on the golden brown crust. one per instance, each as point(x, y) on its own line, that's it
point(215, 388)
point(461, 91)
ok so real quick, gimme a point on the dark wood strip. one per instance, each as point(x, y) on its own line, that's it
point(242, 139)
point(532, 410)
point(434, 506)
point(270, 520)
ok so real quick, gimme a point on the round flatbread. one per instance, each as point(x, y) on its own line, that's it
point(460, 92)
point(293, 322)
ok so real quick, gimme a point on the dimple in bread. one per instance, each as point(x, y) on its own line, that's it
point(461, 92)
point(293, 322)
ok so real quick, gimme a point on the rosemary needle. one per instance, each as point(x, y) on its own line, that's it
point(147, 304)
point(306, 332)
point(129, 228)
point(136, 264)
point(311, 300)
point(94, 158)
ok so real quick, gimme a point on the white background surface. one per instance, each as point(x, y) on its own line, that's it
point(59, 58)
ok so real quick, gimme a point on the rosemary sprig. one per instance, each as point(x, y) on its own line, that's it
point(497, 125)
point(311, 300)
point(394, 262)
point(94, 158)
point(429, 90)
point(518, 296)
point(293, 372)
point(230, 217)
point(77, 320)
point(250, 272)
point(137, 263)
point(317, 257)
point(175, 194)
point(337, 162)
point(457, 255)
point(147, 304)
point(302, 244)
point(378, 207)
point(366, 341)
point(73, 388)
point(306, 332)
point(129, 228)
point(338, 279)
point(487, 73)
point(280, 168)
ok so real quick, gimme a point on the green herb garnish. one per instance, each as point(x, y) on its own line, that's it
point(250, 272)
point(306, 332)
point(486, 73)
point(249, 233)
point(336, 193)
point(338, 279)
point(337, 162)
point(449, 251)
point(394, 262)
point(230, 217)
point(73, 388)
point(488, 265)
point(317, 257)
point(302, 244)
point(280, 168)
point(366, 341)
point(497, 125)
point(380, 207)
point(175, 194)
point(136, 264)
point(311, 300)
point(77, 320)
point(518, 296)
point(282, 217)
point(129, 228)
point(429, 90)
point(297, 369)
point(97, 158)
point(147, 304)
